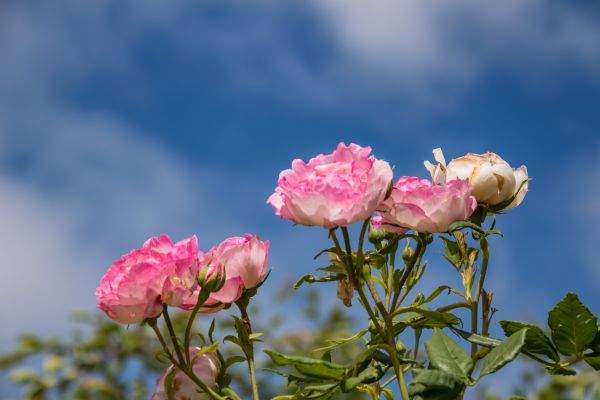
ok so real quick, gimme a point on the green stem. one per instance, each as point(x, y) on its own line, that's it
point(179, 365)
point(173, 337)
point(387, 333)
point(250, 352)
point(161, 339)
point(352, 278)
point(407, 273)
point(485, 252)
point(202, 296)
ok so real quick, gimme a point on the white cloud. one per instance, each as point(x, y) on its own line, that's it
point(91, 188)
point(424, 40)
point(431, 49)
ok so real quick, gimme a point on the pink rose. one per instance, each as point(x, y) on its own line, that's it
point(137, 285)
point(419, 205)
point(332, 190)
point(244, 262)
point(205, 366)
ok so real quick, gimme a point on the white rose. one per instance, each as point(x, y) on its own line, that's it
point(493, 180)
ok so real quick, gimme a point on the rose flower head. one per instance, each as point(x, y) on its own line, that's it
point(420, 205)
point(243, 261)
point(495, 183)
point(137, 285)
point(332, 190)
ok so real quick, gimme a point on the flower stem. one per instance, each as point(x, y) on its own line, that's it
point(202, 296)
point(485, 252)
point(173, 337)
point(178, 364)
point(407, 273)
point(387, 332)
point(250, 350)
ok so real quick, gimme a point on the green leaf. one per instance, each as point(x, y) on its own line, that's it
point(432, 384)
point(312, 367)
point(446, 355)
point(436, 293)
point(317, 392)
point(341, 341)
point(452, 251)
point(368, 375)
point(459, 225)
point(327, 250)
point(424, 318)
point(573, 326)
point(595, 345)
point(308, 278)
point(535, 342)
point(503, 353)
point(234, 359)
point(561, 371)
point(593, 360)
point(477, 339)
point(208, 349)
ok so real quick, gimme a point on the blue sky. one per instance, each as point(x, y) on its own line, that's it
point(120, 121)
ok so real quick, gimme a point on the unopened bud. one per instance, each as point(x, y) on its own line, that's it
point(376, 235)
point(407, 253)
point(400, 347)
point(215, 281)
point(202, 275)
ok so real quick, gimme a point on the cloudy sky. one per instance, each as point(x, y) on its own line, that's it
point(123, 120)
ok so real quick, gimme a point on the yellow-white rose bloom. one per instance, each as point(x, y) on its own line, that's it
point(493, 180)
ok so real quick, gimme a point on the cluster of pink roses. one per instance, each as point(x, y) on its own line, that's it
point(349, 185)
point(140, 283)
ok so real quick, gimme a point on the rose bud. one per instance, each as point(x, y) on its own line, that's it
point(137, 285)
point(493, 180)
point(418, 204)
point(244, 263)
point(332, 190)
point(206, 368)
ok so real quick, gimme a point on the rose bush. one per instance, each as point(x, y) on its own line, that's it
point(332, 190)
